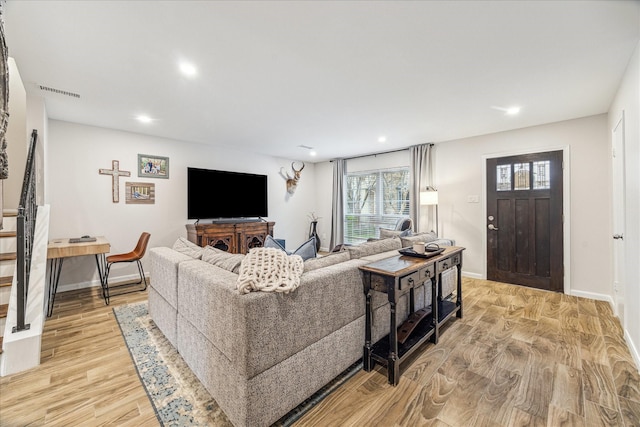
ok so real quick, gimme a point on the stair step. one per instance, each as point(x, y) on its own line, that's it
point(8, 256)
point(6, 281)
point(1, 339)
point(8, 234)
point(4, 309)
point(10, 213)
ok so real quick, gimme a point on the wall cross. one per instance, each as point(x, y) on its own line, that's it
point(115, 173)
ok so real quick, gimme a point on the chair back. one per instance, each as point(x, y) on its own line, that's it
point(141, 247)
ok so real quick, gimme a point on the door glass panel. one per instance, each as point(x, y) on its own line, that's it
point(542, 175)
point(503, 178)
point(521, 176)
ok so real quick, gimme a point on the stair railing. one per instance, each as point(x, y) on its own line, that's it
point(26, 222)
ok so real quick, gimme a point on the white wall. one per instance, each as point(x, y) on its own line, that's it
point(459, 173)
point(37, 119)
point(628, 100)
point(81, 202)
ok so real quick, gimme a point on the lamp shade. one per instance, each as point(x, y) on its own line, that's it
point(428, 197)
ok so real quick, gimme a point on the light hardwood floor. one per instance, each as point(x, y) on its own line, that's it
point(519, 357)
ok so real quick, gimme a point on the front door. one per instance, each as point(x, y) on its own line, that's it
point(524, 220)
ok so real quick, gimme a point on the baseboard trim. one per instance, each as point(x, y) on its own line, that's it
point(471, 275)
point(96, 283)
point(593, 295)
point(633, 349)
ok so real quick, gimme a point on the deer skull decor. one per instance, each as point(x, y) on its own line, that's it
point(292, 181)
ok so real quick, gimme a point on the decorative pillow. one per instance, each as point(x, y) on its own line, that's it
point(325, 261)
point(186, 247)
point(307, 250)
point(270, 242)
point(386, 233)
point(222, 259)
point(422, 237)
point(375, 247)
point(269, 270)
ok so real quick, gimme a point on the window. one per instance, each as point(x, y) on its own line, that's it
point(522, 172)
point(374, 199)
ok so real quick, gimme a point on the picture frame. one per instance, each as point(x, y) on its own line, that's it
point(140, 193)
point(150, 166)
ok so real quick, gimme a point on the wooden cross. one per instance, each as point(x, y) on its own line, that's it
point(115, 173)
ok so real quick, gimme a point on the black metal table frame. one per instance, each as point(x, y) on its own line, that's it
point(55, 268)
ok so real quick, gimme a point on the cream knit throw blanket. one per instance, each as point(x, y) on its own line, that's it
point(269, 270)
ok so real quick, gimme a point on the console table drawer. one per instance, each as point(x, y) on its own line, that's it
point(427, 273)
point(446, 264)
point(410, 281)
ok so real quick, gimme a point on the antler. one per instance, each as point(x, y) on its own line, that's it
point(294, 168)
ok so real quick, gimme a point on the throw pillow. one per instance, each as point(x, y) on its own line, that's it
point(325, 261)
point(222, 259)
point(186, 247)
point(307, 250)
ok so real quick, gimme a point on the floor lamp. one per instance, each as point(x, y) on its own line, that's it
point(430, 198)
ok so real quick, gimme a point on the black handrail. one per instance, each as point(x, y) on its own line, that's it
point(26, 223)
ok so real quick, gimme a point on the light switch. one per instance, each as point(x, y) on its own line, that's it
point(473, 199)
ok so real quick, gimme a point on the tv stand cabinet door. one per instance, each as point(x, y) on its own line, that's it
point(236, 238)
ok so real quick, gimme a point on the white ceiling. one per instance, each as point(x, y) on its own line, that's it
point(326, 74)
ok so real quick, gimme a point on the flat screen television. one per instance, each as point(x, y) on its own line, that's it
point(215, 194)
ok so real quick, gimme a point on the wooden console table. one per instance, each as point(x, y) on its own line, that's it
point(397, 276)
point(59, 249)
point(234, 237)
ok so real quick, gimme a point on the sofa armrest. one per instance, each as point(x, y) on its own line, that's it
point(164, 272)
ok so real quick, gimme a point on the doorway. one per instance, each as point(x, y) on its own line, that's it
point(618, 191)
point(524, 220)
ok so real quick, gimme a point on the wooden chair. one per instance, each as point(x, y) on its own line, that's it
point(133, 256)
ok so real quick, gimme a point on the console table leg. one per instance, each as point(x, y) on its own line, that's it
point(459, 296)
point(366, 356)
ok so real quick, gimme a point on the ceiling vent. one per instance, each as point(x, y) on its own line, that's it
point(58, 91)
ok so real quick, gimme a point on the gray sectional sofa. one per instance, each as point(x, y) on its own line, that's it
point(261, 354)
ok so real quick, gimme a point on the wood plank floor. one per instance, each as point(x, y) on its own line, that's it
point(519, 357)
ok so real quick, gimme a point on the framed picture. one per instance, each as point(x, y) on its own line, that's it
point(140, 193)
point(153, 166)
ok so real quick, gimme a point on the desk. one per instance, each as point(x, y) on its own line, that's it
point(397, 276)
point(59, 249)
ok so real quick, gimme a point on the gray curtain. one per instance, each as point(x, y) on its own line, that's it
point(421, 177)
point(337, 204)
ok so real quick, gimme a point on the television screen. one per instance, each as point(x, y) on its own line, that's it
point(220, 194)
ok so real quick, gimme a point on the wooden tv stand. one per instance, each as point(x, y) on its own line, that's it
point(233, 237)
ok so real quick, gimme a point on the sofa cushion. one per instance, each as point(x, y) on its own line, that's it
point(325, 261)
point(186, 247)
point(374, 247)
point(307, 250)
point(422, 237)
point(222, 259)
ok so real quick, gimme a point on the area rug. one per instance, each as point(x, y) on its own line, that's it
point(177, 396)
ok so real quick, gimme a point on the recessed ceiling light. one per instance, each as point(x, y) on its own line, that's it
point(382, 139)
point(188, 69)
point(312, 153)
point(144, 119)
point(513, 110)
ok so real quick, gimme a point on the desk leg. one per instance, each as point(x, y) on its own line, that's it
point(101, 262)
point(55, 267)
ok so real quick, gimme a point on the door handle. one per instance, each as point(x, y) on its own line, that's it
point(492, 227)
point(618, 237)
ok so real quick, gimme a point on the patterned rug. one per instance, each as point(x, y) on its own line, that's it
point(177, 396)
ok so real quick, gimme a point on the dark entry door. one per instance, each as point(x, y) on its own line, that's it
point(524, 220)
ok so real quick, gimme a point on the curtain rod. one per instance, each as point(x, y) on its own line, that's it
point(431, 144)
